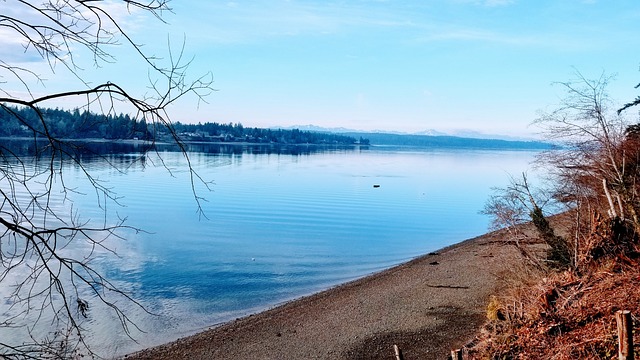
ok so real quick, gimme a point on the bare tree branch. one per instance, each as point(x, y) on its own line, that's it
point(595, 174)
point(49, 283)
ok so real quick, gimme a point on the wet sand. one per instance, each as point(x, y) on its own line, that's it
point(427, 307)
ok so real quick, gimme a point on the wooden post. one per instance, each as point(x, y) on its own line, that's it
point(397, 352)
point(625, 335)
point(456, 354)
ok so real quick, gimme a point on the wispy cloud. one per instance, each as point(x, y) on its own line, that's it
point(479, 35)
point(497, 2)
point(549, 39)
point(234, 22)
point(413, 22)
point(487, 3)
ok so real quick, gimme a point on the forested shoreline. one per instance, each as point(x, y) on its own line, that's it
point(25, 122)
point(19, 122)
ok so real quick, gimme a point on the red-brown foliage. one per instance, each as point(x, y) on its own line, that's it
point(565, 316)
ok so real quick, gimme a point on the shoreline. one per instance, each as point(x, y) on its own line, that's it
point(427, 306)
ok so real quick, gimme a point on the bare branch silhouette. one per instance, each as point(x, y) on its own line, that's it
point(50, 285)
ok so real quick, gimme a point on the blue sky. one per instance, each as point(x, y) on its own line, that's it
point(483, 65)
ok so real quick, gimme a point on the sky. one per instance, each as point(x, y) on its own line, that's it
point(410, 66)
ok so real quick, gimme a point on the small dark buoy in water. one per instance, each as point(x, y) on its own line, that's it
point(376, 186)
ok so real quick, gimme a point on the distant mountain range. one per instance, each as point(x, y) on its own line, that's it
point(472, 134)
point(433, 138)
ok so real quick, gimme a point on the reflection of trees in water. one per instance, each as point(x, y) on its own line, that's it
point(269, 149)
point(89, 151)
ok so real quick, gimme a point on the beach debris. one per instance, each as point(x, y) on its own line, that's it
point(434, 263)
point(456, 354)
point(397, 352)
point(447, 286)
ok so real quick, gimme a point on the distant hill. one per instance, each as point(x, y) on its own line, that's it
point(433, 138)
point(461, 133)
point(445, 141)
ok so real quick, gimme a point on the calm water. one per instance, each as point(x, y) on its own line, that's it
point(279, 225)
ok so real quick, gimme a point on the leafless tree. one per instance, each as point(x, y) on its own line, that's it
point(519, 203)
point(592, 134)
point(595, 175)
point(48, 285)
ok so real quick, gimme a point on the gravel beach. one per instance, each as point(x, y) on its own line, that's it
point(426, 307)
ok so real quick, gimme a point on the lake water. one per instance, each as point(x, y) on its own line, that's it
point(280, 224)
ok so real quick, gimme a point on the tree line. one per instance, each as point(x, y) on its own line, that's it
point(237, 132)
point(25, 122)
